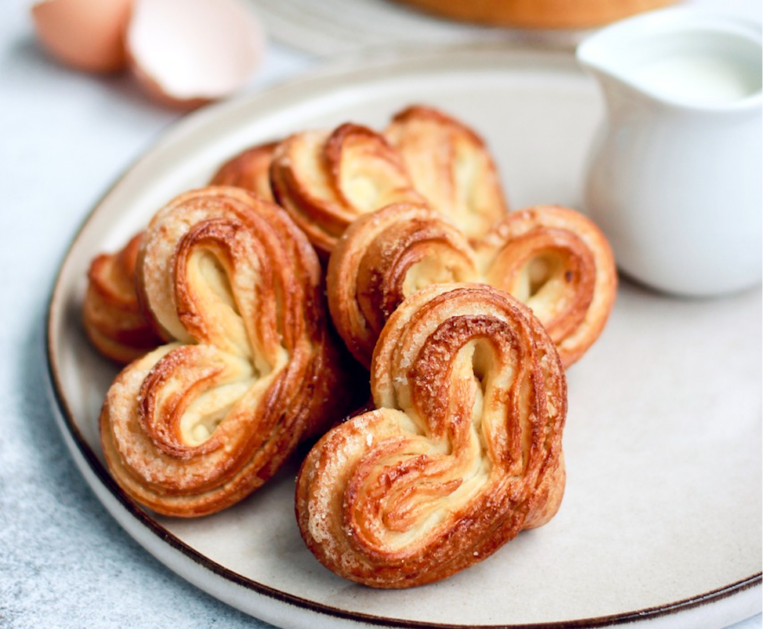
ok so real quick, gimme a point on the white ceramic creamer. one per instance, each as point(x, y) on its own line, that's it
point(675, 175)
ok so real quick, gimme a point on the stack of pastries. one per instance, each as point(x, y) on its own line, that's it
point(250, 313)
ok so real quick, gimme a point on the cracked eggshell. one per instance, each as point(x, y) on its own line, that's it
point(83, 34)
point(186, 53)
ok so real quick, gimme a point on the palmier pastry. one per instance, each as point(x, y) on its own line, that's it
point(326, 180)
point(451, 166)
point(463, 450)
point(248, 169)
point(201, 422)
point(552, 258)
point(112, 316)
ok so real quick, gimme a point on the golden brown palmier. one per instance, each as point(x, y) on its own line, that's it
point(327, 180)
point(463, 451)
point(552, 258)
point(201, 422)
point(112, 316)
point(451, 166)
point(248, 169)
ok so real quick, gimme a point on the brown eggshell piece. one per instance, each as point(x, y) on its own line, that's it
point(84, 34)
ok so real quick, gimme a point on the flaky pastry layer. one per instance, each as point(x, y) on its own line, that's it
point(249, 169)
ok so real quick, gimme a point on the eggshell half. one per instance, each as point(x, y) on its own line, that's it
point(84, 34)
point(189, 52)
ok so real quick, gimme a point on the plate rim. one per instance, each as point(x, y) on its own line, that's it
point(383, 59)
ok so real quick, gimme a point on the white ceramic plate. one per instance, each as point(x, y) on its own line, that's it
point(661, 521)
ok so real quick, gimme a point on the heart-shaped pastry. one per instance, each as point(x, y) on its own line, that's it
point(451, 166)
point(552, 258)
point(463, 450)
point(202, 421)
point(325, 180)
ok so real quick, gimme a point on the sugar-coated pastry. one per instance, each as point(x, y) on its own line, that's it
point(451, 166)
point(463, 450)
point(552, 258)
point(327, 180)
point(248, 169)
point(201, 422)
point(112, 316)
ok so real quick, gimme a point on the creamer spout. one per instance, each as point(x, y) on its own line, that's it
point(675, 175)
point(683, 57)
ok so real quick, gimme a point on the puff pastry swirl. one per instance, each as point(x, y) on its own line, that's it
point(463, 451)
point(112, 316)
point(326, 180)
point(201, 422)
point(552, 258)
point(451, 166)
